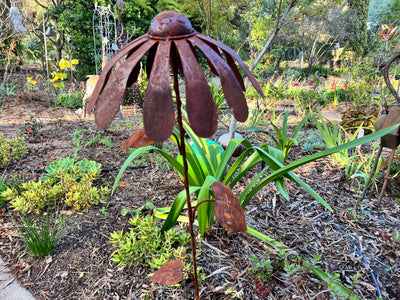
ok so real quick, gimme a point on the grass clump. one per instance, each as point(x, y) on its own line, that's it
point(41, 234)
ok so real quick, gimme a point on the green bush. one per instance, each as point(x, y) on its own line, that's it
point(11, 149)
point(144, 243)
point(72, 99)
point(311, 141)
point(335, 95)
point(71, 185)
point(309, 100)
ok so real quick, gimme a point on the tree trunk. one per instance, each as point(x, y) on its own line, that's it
point(279, 24)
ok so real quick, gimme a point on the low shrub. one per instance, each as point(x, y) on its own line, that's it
point(70, 184)
point(72, 99)
point(11, 149)
point(145, 244)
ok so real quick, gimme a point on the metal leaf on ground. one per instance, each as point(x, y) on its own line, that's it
point(169, 274)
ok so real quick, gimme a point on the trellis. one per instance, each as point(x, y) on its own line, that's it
point(104, 35)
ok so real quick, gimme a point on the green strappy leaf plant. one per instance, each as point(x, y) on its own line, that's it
point(282, 140)
point(208, 163)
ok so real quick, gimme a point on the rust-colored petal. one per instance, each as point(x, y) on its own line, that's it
point(228, 211)
point(158, 109)
point(200, 105)
point(232, 90)
point(111, 98)
point(150, 60)
point(230, 62)
point(105, 74)
point(169, 274)
point(137, 140)
point(238, 59)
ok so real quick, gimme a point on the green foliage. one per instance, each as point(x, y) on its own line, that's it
point(335, 95)
point(3, 187)
point(311, 141)
point(363, 70)
point(218, 95)
point(332, 280)
point(74, 19)
point(363, 114)
point(1, 108)
point(8, 181)
point(305, 72)
point(7, 88)
point(72, 99)
point(11, 149)
point(358, 9)
point(145, 244)
point(263, 268)
point(208, 163)
point(40, 235)
point(359, 168)
point(168, 5)
point(82, 138)
point(281, 140)
point(32, 48)
point(65, 165)
point(68, 182)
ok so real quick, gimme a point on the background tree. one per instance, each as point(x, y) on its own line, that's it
point(314, 29)
point(358, 12)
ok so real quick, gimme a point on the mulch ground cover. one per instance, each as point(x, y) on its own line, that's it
point(81, 267)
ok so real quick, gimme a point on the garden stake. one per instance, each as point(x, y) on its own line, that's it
point(182, 151)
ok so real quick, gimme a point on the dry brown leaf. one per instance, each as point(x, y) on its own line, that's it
point(169, 274)
point(228, 211)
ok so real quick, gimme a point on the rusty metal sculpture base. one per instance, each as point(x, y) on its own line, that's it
point(391, 141)
point(373, 170)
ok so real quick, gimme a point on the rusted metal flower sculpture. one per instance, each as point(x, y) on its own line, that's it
point(171, 40)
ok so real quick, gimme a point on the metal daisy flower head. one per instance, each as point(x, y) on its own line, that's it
point(171, 40)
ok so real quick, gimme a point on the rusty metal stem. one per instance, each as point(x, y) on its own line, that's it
point(201, 202)
point(371, 174)
point(182, 151)
point(387, 177)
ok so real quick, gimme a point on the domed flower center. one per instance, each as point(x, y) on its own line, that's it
point(170, 24)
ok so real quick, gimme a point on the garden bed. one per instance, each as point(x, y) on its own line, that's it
point(81, 267)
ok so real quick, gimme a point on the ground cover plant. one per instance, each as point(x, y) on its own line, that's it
point(304, 236)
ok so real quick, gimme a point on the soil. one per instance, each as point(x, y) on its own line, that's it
point(81, 268)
